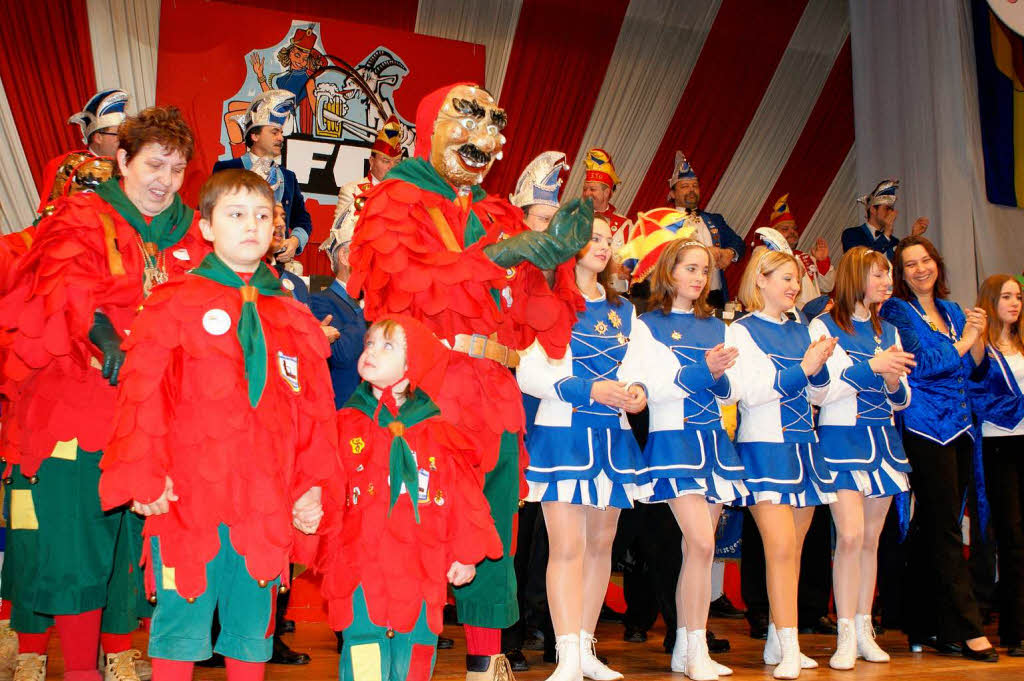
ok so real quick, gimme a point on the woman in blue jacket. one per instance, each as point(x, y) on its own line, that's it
point(999, 406)
point(938, 438)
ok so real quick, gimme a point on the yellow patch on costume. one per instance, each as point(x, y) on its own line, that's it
point(357, 445)
point(66, 449)
point(167, 581)
point(23, 510)
point(366, 662)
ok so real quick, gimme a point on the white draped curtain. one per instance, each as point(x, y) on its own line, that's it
point(18, 194)
point(780, 118)
point(916, 114)
point(125, 36)
point(837, 210)
point(491, 24)
point(656, 51)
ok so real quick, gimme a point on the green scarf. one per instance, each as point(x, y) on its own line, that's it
point(420, 173)
point(164, 230)
point(401, 463)
point(250, 329)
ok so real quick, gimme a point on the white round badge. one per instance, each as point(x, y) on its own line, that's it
point(181, 254)
point(288, 284)
point(216, 322)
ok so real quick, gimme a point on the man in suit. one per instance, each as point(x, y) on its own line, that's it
point(711, 229)
point(265, 123)
point(879, 217)
point(346, 316)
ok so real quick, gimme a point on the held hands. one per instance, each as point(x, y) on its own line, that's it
point(567, 234)
point(161, 505)
point(920, 226)
point(891, 365)
point(459, 573)
point(817, 354)
point(720, 358)
point(639, 401)
point(332, 333)
point(308, 510)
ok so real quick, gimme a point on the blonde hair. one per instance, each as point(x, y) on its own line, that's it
point(763, 261)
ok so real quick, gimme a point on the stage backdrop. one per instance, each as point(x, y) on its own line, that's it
point(354, 77)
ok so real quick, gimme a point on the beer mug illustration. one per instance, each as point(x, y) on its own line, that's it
point(330, 110)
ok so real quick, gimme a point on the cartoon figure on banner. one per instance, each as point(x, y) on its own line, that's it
point(337, 103)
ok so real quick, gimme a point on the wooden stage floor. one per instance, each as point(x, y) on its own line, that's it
point(647, 661)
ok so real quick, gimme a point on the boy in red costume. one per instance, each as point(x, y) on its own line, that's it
point(433, 245)
point(414, 515)
point(225, 431)
point(71, 297)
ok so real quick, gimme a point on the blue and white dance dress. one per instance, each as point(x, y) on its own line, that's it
point(856, 431)
point(688, 450)
point(581, 451)
point(776, 439)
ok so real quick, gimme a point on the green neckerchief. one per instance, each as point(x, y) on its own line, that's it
point(401, 463)
point(164, 230)
point(420, 173)
point(250, 329)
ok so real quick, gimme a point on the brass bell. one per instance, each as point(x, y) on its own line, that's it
point(33, 480)
point(191, 599)
point(262, 583)
point(522, 502)
point(9, 481)
point(152, 599)
point(282, 589)
point(390, 633)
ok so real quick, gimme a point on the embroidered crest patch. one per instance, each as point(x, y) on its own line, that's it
point(356, 444)
point(288, 367)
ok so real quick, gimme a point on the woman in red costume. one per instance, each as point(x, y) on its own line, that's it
point(93, 262)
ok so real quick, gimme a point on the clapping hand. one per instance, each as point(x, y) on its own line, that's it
point(638, 399)
point(719, 359)
point(817, 354)
point(892, 364)
point(976, 323)
point(920, 226)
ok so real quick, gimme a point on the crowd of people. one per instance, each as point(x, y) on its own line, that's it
point(185, 416)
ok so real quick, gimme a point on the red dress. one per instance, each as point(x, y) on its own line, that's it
point(76, 266)
point(183, 412)
point(400, 563)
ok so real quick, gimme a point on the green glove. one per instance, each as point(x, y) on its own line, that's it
point(104, 337)
point(568, 233)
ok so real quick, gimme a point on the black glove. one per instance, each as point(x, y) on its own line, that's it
point(104, 337)
point(568, 233)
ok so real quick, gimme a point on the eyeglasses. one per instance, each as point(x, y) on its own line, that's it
point(110, 134)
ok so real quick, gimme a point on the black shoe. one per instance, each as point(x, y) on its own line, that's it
point(1015, 650)
point(822, 625)
point(517, 660)
point(549, 656)
point(285, 655)
point(632, 635)
point(717, 645)
point(916, 644)
point(341, 641)
point(609, 615)
point(758, 626)
point(445, 643)
point(215, 661)
point(987, 655)
point(286, 627)
point(723, 607)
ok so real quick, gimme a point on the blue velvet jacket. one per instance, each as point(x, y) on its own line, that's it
point(296, 217)
point(995, 395)
point(347, 318)
point(864, 235)
point(722, 236)
point(941, 408)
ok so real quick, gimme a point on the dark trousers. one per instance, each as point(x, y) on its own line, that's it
point(815, 588)
point(892, 578)
point(1004, 483)
point(531, 578)
point(941, 593)
point(652, 536)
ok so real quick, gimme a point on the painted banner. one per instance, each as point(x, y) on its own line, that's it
point(347, 79)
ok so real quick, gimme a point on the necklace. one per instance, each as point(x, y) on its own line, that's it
point(154, 270)
point(932, 325)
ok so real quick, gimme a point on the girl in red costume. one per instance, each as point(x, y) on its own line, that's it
point(75, 292)
point(415, 517)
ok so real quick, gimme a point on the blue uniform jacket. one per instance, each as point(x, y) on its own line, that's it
point(864, 235)
point(941, 408)
point(722, 236)
point(347, 318)
point(296, 218)
point(995, 395)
